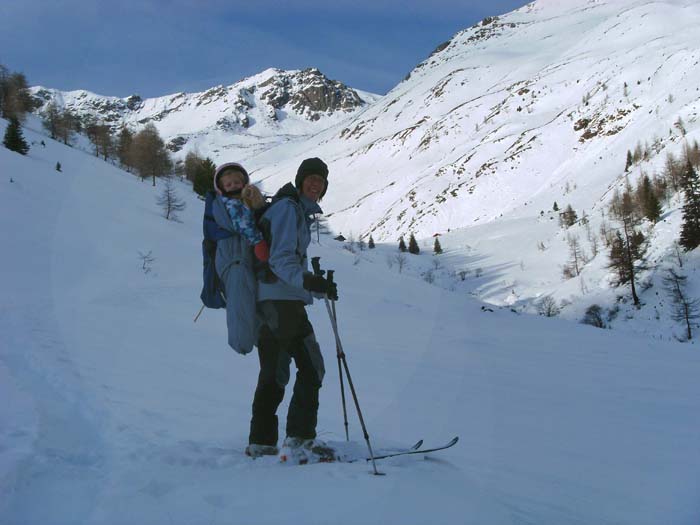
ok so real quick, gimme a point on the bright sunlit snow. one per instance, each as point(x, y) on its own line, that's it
point(119, 409)
point(122, 410)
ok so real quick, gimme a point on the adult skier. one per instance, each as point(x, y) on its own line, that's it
point(286, 334)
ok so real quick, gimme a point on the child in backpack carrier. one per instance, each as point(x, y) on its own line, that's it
point(242, 199)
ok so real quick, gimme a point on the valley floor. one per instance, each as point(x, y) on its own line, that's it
point(123, 411)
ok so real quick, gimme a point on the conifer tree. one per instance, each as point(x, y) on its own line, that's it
point(14, 139)
point(4, 75)
point(67, 122)
point(628, 163)
point(627, 247)
point(123, 148)
point(370, 243)
point(58, 166)
point(100, 137)
point(204, 177)
point(555, 207)
point(105, 142)
point(149, 155)
point(685, 308)
point(51, 119)
point(624, 254)
point(577, 258)
point(15, 100)
point(673, 171)
point(402, 245)
point(413, 245)
point(693, 154)
point(568, 217)
point(638, 153)
point(690, 230)
point(648, 201)
point(320, 227)
point(90, 125)
point(192, 162)
point(437, 249)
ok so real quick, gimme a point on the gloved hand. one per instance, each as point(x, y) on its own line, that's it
point(319, 284)
point(262, 251)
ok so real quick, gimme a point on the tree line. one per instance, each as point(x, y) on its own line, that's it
point(143, 152)
point(623, 234)
point(15, 103)
point(15, 99)
point(627, 244)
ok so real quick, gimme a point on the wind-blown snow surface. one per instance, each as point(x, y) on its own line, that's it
point(120, 410)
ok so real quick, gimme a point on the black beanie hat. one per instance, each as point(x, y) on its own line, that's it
point(313, 166)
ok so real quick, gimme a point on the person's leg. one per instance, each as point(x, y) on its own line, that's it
point(303, 407)
point(273, 377)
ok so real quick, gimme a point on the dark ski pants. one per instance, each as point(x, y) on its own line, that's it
point(286, 334)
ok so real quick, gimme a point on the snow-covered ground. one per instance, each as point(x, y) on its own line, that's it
point(122, 410)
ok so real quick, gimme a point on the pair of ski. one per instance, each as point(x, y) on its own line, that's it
point(415, 449)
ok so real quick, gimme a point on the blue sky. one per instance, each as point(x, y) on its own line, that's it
point(158, 47)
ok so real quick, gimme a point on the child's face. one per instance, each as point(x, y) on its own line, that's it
point(231, 182)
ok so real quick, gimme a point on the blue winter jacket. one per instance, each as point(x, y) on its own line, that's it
point(243, 220)
point(287, 227)
point(234, 264)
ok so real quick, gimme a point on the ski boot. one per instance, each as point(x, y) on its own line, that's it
point(302, 451)
point(255, 451)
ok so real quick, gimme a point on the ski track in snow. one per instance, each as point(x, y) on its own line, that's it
point(66, 459)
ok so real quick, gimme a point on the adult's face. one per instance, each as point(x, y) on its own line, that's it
point(312, 187)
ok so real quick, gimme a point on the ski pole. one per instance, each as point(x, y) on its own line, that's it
point(200, 313)
point(342, 382)
point(315, 263)
point(341, 354)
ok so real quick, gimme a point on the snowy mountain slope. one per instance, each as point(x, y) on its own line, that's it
point(123, 410)
point(498, 121)
point(239, 120)
point(520, 111)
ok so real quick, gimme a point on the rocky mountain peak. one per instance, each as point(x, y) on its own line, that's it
point(274, 104)
point(309, 93)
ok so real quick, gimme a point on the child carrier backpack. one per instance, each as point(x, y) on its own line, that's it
point(263, 272)
point(213, 293)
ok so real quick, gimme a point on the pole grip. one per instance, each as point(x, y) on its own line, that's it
point(316, 265)
point(329, 277)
